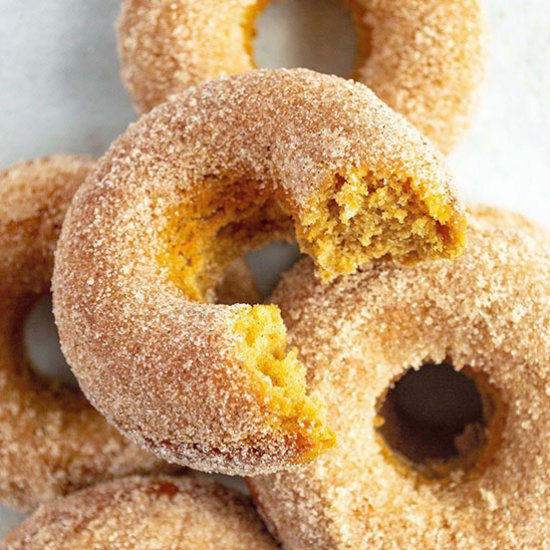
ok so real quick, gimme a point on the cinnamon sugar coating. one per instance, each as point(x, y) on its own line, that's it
point(188, 188)
point(424, 58)
point(149, 513)
point(52, 440)
point(487, 312)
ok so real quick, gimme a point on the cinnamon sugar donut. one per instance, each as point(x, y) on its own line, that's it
point(397, 482)
point(144, 513)
point(190, 186)
point(424, 58)
point(52, 440)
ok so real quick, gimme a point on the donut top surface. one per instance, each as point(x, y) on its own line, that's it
point(283, 151)
point(146, 514)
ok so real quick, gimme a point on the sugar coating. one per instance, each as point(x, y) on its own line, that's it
point(171, 373)
point(489, 310)
point(148, 513)
point(53, 441)
point(424, 58)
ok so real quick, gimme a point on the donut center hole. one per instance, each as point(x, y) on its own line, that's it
point(269, 263)
point(437, 419)
point(315, 34)
point(41, 343)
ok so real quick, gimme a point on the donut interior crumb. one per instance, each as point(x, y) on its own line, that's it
point(281, 378)
point(365, 217)
point(358, 218)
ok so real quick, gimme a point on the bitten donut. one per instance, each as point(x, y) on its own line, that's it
point(188, 188)
point(145, 513)
point(405, 479)
point(424, 58)
point(52, 440)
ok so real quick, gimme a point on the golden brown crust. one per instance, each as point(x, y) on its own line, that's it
point(488, 310)
point(52, 440)
point(169, 372)
point(424, 58)
point(145, 513)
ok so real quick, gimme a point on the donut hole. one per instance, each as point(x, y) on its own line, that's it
point(41, 344)
point(438, 420)
point(316, 34)
point(270, 262)
point(220, 223)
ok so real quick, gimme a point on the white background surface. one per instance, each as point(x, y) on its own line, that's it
point(60, 92)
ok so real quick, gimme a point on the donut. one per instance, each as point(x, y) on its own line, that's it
point(144, 512)
point(424, 58)
point(478, 480)
point(52, 440)
point(191, 186)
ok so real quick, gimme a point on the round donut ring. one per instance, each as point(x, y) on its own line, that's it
point(192, 185)
point(52, 440)
point(486, 313)
point(424, 58)
point(146, 513)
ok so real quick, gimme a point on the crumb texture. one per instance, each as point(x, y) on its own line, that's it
point(424, 58)
point(148, 513)
point(52, 440)
point(190, 188)
point(486, 313)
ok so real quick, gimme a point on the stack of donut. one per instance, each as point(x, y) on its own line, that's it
point(181, 368)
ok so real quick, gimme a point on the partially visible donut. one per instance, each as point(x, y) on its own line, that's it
point(396, 482)
point(424, 58)
point(189, 187)
point(145, 513)
point(51, 439)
